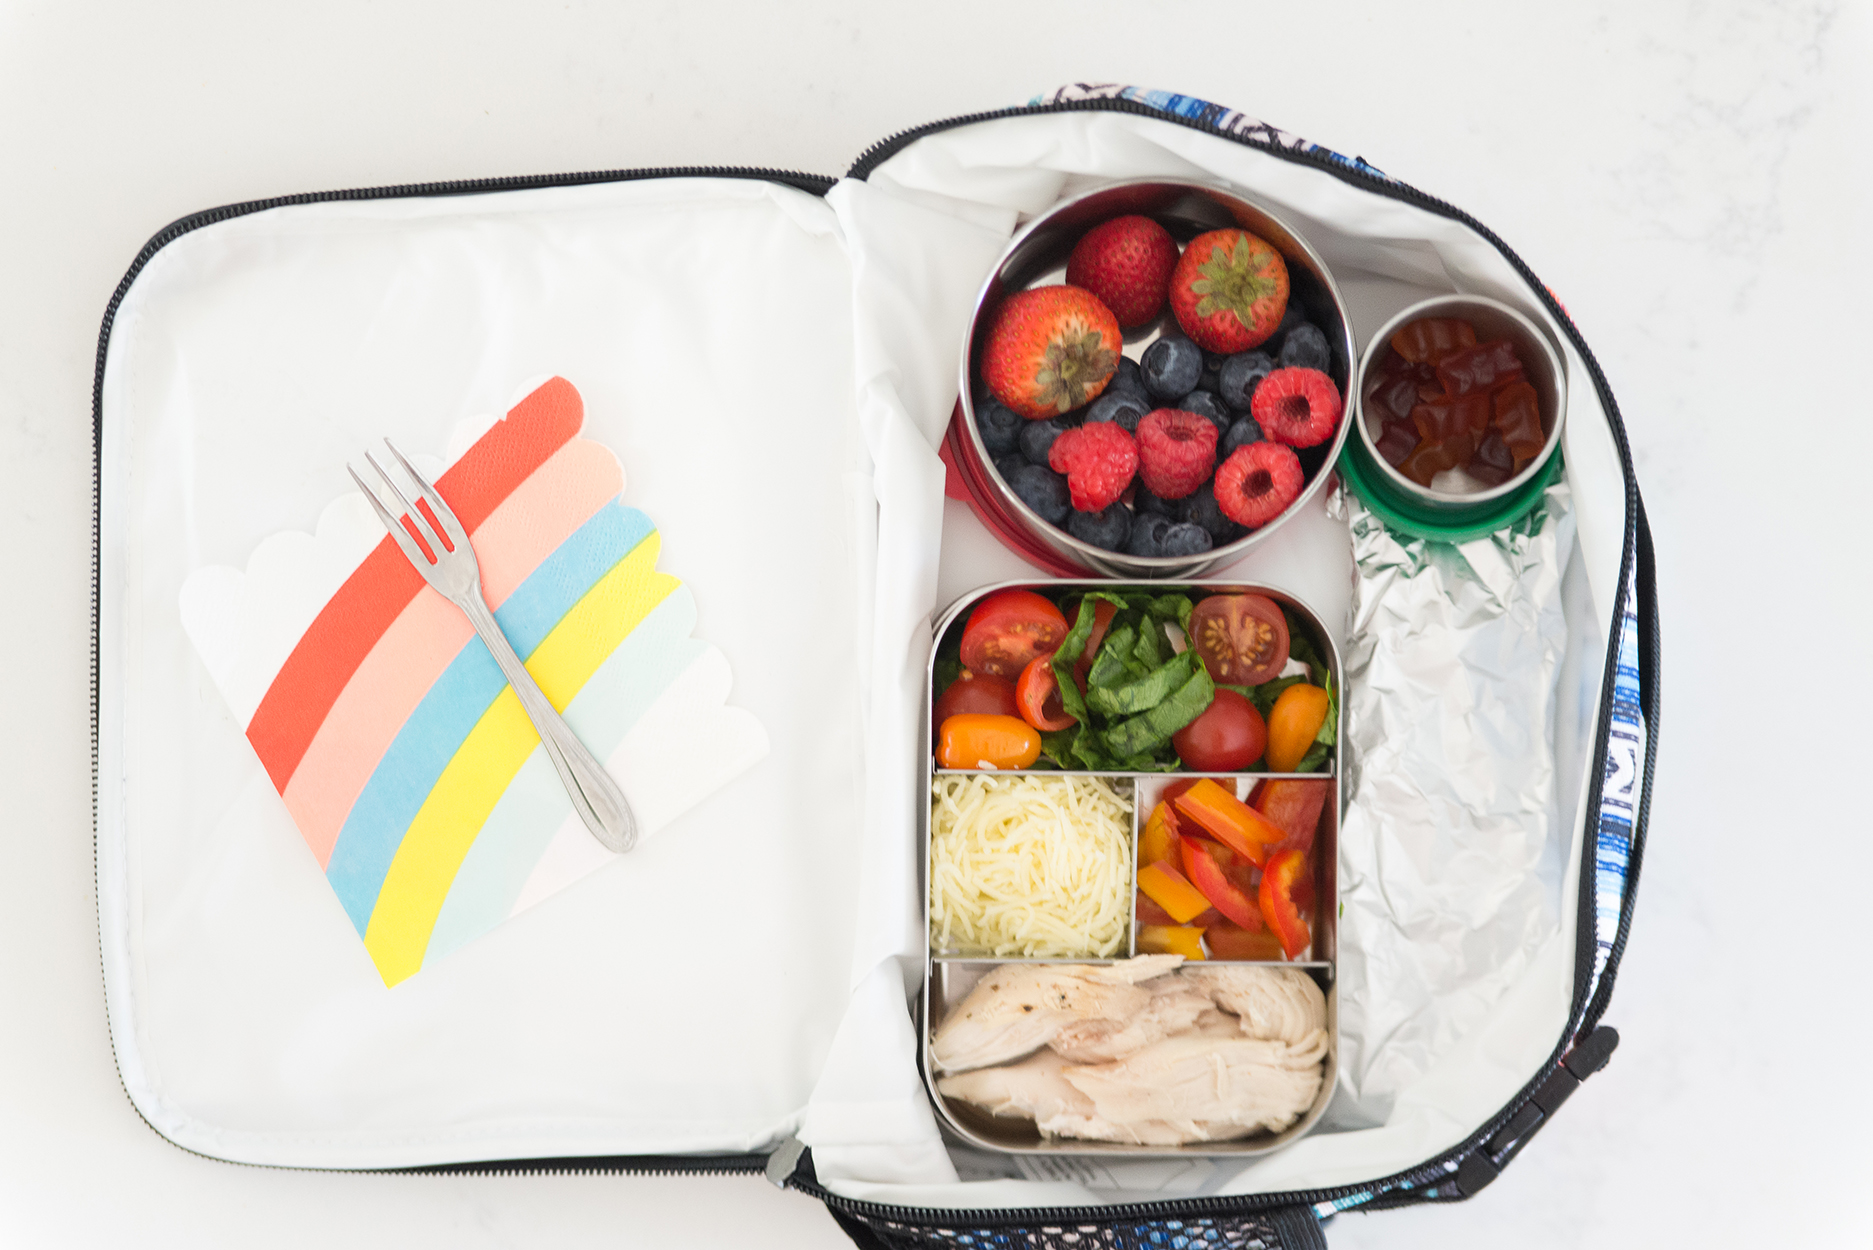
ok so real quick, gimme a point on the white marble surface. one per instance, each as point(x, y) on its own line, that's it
point(1678, 171)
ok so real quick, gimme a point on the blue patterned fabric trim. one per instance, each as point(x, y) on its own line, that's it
point(1215, 116)
point(1624, 779)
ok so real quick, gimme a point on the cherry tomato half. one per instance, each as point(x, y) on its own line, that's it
point(1103, 612)
point(1293, 724)
point(1009, 630)
point(974, 692)
point(1226, 738)
point(973, 740)
point(1243, 639)
point(1038, 694)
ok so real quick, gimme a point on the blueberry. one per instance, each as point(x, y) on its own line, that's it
point(1207, 405)
point(1210, 380)
point(1171, 368)
point(1147, 538)
point(1042, 490)
point(1240, 375)
point(1203, 512)
point(1186, 540)
point(1037, 438)
point(1008, 466)
point(1144, 501)
point(1107, 530)
point(1129, 380)
point(1306, 348)
point(1241, 434)
point(1000, 427)
point(1124, 408)
point(1291, 317)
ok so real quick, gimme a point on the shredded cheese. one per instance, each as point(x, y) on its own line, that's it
point(1033, 867)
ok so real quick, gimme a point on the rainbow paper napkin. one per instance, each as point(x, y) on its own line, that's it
point(384, 723)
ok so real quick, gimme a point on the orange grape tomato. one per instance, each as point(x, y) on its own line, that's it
point(1038, 694)
point(1278, 906)
point(1166, 887)
point(974, 692)
point(1229, 820)
point(1008, 630)
point(976, 740)
point(1293, 724)
point(1154, 939)
point(1207, 875)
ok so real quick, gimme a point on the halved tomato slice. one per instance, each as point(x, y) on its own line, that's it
point(1038, 694)
point(1103, 612)
point(1227, 941)
point(1010, 630)
point(1243, 639)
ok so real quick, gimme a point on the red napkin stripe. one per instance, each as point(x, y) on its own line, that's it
point(350, 624)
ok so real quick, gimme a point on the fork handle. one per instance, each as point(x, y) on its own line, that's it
point(594, 792)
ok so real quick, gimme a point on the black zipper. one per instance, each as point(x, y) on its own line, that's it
point(1427, 1180)
point(814, 184)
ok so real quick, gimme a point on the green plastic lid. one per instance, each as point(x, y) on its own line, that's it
point(1410, 516)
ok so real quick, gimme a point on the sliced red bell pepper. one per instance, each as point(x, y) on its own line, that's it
point(1207, 875)
point(1229, 820)
point(1227, 941)
point(1294, 805)
point(1278, 906)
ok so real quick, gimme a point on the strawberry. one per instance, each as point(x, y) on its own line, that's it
point(1229, 290)
point(1099, 461)
point(1049, 350)
point(1299, 407)
point(1127, 263)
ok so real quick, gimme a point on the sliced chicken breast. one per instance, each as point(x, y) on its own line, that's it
point(1018, 1008)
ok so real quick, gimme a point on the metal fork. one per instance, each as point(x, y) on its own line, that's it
point(435, 542)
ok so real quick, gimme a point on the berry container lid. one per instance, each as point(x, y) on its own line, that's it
point(1037, 256)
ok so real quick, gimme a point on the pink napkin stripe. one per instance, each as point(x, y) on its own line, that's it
point(329, 652)
point(541, 513)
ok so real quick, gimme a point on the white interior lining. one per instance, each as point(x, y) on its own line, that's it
point(943, 208)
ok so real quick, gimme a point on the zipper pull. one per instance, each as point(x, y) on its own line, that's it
point(783, 1160)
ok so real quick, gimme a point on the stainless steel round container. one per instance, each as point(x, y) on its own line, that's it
point(1459, 500)
point(1038, 256)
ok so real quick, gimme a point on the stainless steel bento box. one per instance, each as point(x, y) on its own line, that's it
point(950, 976)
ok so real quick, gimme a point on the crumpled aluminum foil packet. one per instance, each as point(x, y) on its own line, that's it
point(1451, 666)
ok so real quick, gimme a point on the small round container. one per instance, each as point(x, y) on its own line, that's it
point(1038, 257)
point(1456, 508)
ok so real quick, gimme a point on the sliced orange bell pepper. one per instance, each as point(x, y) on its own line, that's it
point(1278, 905)
point(1158, 839)
point(1171, 940)
point(1229, 820)
point(1207, 875)
point(1166, 887)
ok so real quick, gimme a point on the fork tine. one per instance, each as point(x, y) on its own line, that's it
point(413, 517)
point(453, 533)
point(411, 551)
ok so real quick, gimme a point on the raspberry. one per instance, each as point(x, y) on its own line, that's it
point(1299, 407)
point(1258, 482)
point(1176, 451)
point(1099, 461)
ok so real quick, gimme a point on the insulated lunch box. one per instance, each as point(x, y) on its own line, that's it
point(769, 359)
